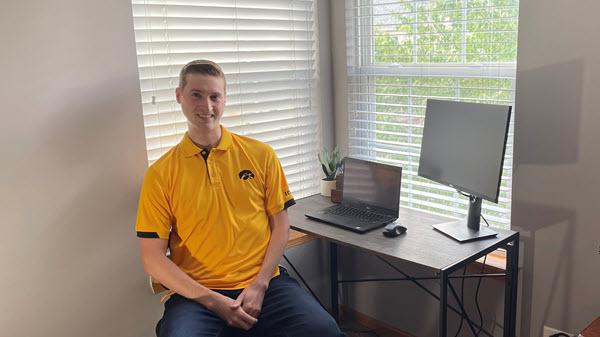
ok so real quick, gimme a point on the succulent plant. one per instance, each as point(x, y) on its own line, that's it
point(330, 162)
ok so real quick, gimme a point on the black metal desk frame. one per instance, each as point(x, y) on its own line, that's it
point(510, 285)
point(510, 243)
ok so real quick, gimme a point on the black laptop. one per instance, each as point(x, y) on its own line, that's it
point(371, 197)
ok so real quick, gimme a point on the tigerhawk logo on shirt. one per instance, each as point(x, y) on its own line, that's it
point(246, 174)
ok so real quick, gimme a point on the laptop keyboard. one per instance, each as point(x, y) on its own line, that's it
point(359, 214)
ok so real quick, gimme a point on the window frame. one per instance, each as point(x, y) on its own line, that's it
point(363, 69)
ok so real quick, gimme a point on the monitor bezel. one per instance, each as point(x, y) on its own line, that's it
point(494, 198)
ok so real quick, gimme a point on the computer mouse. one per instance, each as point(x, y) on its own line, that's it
point(393, 229)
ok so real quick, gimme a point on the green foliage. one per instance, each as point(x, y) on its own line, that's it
point(442, 31)
point(330, 162)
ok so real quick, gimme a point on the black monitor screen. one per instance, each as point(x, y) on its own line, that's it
point(463, 146)
point(370, 183)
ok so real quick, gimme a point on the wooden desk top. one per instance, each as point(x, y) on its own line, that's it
point(297, 238)
point(421, 244)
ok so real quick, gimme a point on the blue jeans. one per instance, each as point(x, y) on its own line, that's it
point(287, 311)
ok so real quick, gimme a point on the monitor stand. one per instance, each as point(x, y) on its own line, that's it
point(467, 229)
point(459, 231)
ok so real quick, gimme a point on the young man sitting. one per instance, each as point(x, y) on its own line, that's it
point(218, 202)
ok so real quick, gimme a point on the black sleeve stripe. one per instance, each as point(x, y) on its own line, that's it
point(289, 203)
point(148, 235)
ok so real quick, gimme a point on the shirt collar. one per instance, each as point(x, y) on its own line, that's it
point(190, 149)
point(226, 141)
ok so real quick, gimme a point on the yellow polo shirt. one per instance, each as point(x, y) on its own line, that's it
point(214, 211)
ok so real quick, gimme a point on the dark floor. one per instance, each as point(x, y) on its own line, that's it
point(352, 329)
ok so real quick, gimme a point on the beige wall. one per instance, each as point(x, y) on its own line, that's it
point(340, 89)
point(73, 155)
point(557, 163)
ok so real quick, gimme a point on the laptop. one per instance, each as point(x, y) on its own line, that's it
point(370, 200)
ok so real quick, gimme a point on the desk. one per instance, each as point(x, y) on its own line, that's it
point(421, 245)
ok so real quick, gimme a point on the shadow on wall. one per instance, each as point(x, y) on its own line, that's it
point(102, 144)
point(311, 260)
point(83, 165)
point(400, 304)
point(547, 125)
point(544, 222)
point(548, 115)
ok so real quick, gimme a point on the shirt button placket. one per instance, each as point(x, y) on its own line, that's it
point(212, 172)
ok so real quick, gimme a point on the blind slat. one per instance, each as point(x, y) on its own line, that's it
point(267, 49)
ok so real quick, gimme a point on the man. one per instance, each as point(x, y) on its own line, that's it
point(218, 202)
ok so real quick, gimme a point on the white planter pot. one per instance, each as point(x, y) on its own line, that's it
point(326, 187)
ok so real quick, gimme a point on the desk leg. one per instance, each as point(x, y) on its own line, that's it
point(511, 282)
point(333, 272)
point(443, 303)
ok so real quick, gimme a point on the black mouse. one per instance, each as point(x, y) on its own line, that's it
point(393, 229)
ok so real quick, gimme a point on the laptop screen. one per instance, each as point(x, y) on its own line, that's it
point(368, 184)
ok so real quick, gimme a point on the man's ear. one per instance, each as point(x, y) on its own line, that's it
point(178, 94)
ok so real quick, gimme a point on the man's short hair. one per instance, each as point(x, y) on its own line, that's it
point(202, 67)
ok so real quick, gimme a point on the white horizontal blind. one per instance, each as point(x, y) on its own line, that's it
point(400, 53)
point(267, 49)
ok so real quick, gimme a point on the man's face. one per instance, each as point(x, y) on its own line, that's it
point(202, 101)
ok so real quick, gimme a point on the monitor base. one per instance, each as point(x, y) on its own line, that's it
point(459, 231)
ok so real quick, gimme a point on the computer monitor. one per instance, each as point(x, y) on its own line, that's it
point(463, 147)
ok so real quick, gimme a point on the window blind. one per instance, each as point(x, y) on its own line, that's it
point(400, 53)
point(267, 49)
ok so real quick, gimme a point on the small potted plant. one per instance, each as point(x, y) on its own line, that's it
point(330, 163)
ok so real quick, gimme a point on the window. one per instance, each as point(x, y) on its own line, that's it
point(400, 53)
point(267, 49)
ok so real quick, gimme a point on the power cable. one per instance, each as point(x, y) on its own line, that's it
point(477, 297)
point(462, 292)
